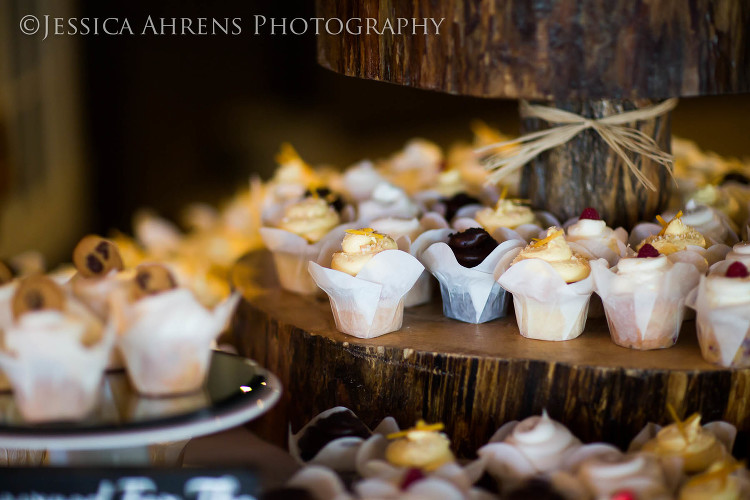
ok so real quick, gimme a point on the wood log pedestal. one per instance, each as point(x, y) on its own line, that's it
point(594, 57)
point(473, 378)
point(587, 172)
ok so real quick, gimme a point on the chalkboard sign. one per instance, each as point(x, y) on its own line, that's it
point(128, 484)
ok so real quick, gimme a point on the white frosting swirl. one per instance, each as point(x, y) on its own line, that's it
point(638, 473)
point(397, 227)
point(543, 441)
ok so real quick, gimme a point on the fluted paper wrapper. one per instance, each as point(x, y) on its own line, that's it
point(166, 340)
point(599, 249)
point(645, 319)
point(469, 294)
point(421, 292)
point(723, 332)
point(54, 376)
point(547, 308)
point(371, 303)
point(291, 253)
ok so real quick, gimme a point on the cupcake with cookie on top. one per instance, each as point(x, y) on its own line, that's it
point(366, 283)
point(164, 333)
point(54, 352)
point(551, 286)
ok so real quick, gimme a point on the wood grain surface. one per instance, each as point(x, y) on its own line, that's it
point(549, 49)
point(473, 378)
point(586, 172)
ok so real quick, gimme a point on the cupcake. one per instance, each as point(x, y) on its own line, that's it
point(464, 264)
point(508, 213)
point(416, 167)
point(164, 333)
point(298, 239)
point(644, 298)
point(98, 265)
point(367, 282)
point(521, 450)
point(360, 180)
point(331, 439)
point(697, 446)
point(640, 475)
point(551, 287)
point(387, 200)
point(55, 353)
point(722, 305)
point(717, 483)
point(675, 236)
point(710, 223)
point(601, 241)
point(396, 227)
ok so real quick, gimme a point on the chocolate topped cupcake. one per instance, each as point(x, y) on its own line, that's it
point(472, 246)
point(337, 425)
point(455, 202)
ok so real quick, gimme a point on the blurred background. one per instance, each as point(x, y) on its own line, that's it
point(94, 127)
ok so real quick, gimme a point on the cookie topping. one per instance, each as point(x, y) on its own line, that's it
point(151, 279)
point(94, 257)
point(37, 293)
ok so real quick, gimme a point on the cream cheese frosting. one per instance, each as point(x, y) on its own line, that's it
point(310, 218)
point(555, 250)
point(674, 237)
point(507, 213)
point(724, 292)
point(358, 247)
point(698, 447)
point(641, 273)
point(543, 441)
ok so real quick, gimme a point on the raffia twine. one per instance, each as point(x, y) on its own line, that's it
point(612, 129)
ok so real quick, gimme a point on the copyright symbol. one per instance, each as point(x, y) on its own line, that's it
point(29, 25)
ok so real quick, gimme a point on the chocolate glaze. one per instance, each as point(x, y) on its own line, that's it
point(455, 202)
point(333, 199)
point(338, 425)
point(472, 246)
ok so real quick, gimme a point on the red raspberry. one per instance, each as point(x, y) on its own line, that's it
point(624, 495)
point(590, 213)
point(411, 477)
point(647, 251)
point(737, 270)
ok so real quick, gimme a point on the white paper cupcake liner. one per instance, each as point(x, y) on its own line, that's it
point(469, 294)
point(547, 308)
point(166, 340)
point(55, 377)
point(645, 318)
point(370, 304)
point(723, 332)
point(291, 254)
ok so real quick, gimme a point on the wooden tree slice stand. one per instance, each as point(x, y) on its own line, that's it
point(594, 57)
point(473, 378)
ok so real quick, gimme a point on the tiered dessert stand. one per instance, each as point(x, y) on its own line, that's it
point(592, 57)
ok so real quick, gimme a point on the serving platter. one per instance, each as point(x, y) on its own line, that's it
point(236, 391)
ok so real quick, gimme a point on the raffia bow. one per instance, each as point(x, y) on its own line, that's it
point(612, 129)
